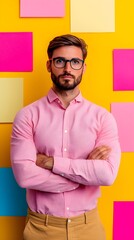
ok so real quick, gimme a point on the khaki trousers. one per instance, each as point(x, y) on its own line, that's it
point(83, 227)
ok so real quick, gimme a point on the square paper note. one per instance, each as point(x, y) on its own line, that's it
point(123, 69)
point(16, 52)
point(123, 221)
point(12, 197)
point(124, 115)
point(42, 8)
point(11, 98)
point(92, 16)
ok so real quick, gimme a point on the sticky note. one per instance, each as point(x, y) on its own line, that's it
point(42, 8)
point(12, 197)
point(16, 52)
point(123, 225)
point(11, 228)
point(123, 60)
point(92, 16)
point(5, 138)
point(11, 98)
point(124, 115)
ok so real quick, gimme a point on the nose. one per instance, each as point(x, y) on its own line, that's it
point(67, 66)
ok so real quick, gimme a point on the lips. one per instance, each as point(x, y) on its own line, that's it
point(67, 76)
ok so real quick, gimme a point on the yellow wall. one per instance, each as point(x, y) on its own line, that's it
point(97, 86)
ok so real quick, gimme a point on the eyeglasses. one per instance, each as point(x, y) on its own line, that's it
point(60, 62)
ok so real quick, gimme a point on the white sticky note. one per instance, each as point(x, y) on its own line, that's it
point(93, 16)
point(11, 98)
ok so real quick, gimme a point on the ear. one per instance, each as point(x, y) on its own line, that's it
point(84, 67)
point(48, 65)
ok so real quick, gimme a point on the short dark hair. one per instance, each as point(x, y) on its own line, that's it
point(67, 40)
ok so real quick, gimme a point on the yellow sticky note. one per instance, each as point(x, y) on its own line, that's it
point(11, 98)
point(92, 16)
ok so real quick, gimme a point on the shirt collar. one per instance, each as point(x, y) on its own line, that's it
point(52, 96)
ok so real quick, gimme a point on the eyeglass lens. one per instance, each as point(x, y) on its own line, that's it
point(75, 63)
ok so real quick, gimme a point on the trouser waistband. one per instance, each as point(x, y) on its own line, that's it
point(60, 221)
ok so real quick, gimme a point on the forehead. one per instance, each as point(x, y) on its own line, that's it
point(68, 52)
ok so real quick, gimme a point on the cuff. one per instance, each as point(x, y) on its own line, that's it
point(61, 166)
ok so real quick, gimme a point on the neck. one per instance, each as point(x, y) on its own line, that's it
point(66, 96)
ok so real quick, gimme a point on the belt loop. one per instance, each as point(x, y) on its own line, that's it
point(46, 220)
point(85, 217)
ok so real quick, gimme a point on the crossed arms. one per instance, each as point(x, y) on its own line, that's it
point(47, 162)
point(45, 173)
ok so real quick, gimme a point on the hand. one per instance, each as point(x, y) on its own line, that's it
point(45, 161)
point(101, 152)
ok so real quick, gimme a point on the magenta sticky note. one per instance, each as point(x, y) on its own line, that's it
point(123, 222)
point(123, 69)
point(16, 52)
point(42, 8)
point(124, 115)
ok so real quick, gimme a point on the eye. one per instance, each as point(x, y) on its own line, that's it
point(59, 61)
point(76, 61)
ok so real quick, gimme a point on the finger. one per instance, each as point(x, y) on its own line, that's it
point(41, 163)
point(99, 154)
point(103, 146)
point(104, 156)
point(41, 155)
point(99, 150)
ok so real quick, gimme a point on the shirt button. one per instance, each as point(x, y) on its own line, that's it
point(62, 174)
point(67, 208)
point(65, 149)
point(65, 131)
point(69, 220)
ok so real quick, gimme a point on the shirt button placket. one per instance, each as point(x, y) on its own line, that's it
point(65, 133)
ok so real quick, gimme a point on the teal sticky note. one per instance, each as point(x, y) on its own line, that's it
point(12, 197)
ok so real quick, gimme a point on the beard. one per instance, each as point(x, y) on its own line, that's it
point(66, 85)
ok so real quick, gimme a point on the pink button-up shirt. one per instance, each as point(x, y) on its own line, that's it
point(69, 135)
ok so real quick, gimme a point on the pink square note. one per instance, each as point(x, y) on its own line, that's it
point(42, 8)
point(123, 228)
point(123, 69)
point(124, 115)
point(16, 52)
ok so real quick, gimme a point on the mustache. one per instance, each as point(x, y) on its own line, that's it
point(66, 74)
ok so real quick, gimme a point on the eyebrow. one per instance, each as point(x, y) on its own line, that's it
point(66, 58)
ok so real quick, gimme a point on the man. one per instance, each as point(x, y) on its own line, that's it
point(63, 148)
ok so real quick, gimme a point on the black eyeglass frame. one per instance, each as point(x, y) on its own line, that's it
point(67, 60)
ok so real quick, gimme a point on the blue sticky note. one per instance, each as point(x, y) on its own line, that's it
point(12, 197)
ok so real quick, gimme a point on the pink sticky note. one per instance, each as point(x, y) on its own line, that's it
point(123, 69)
point(123, 225)
point(42, 8)
point(16, 52)
point(124, 115)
